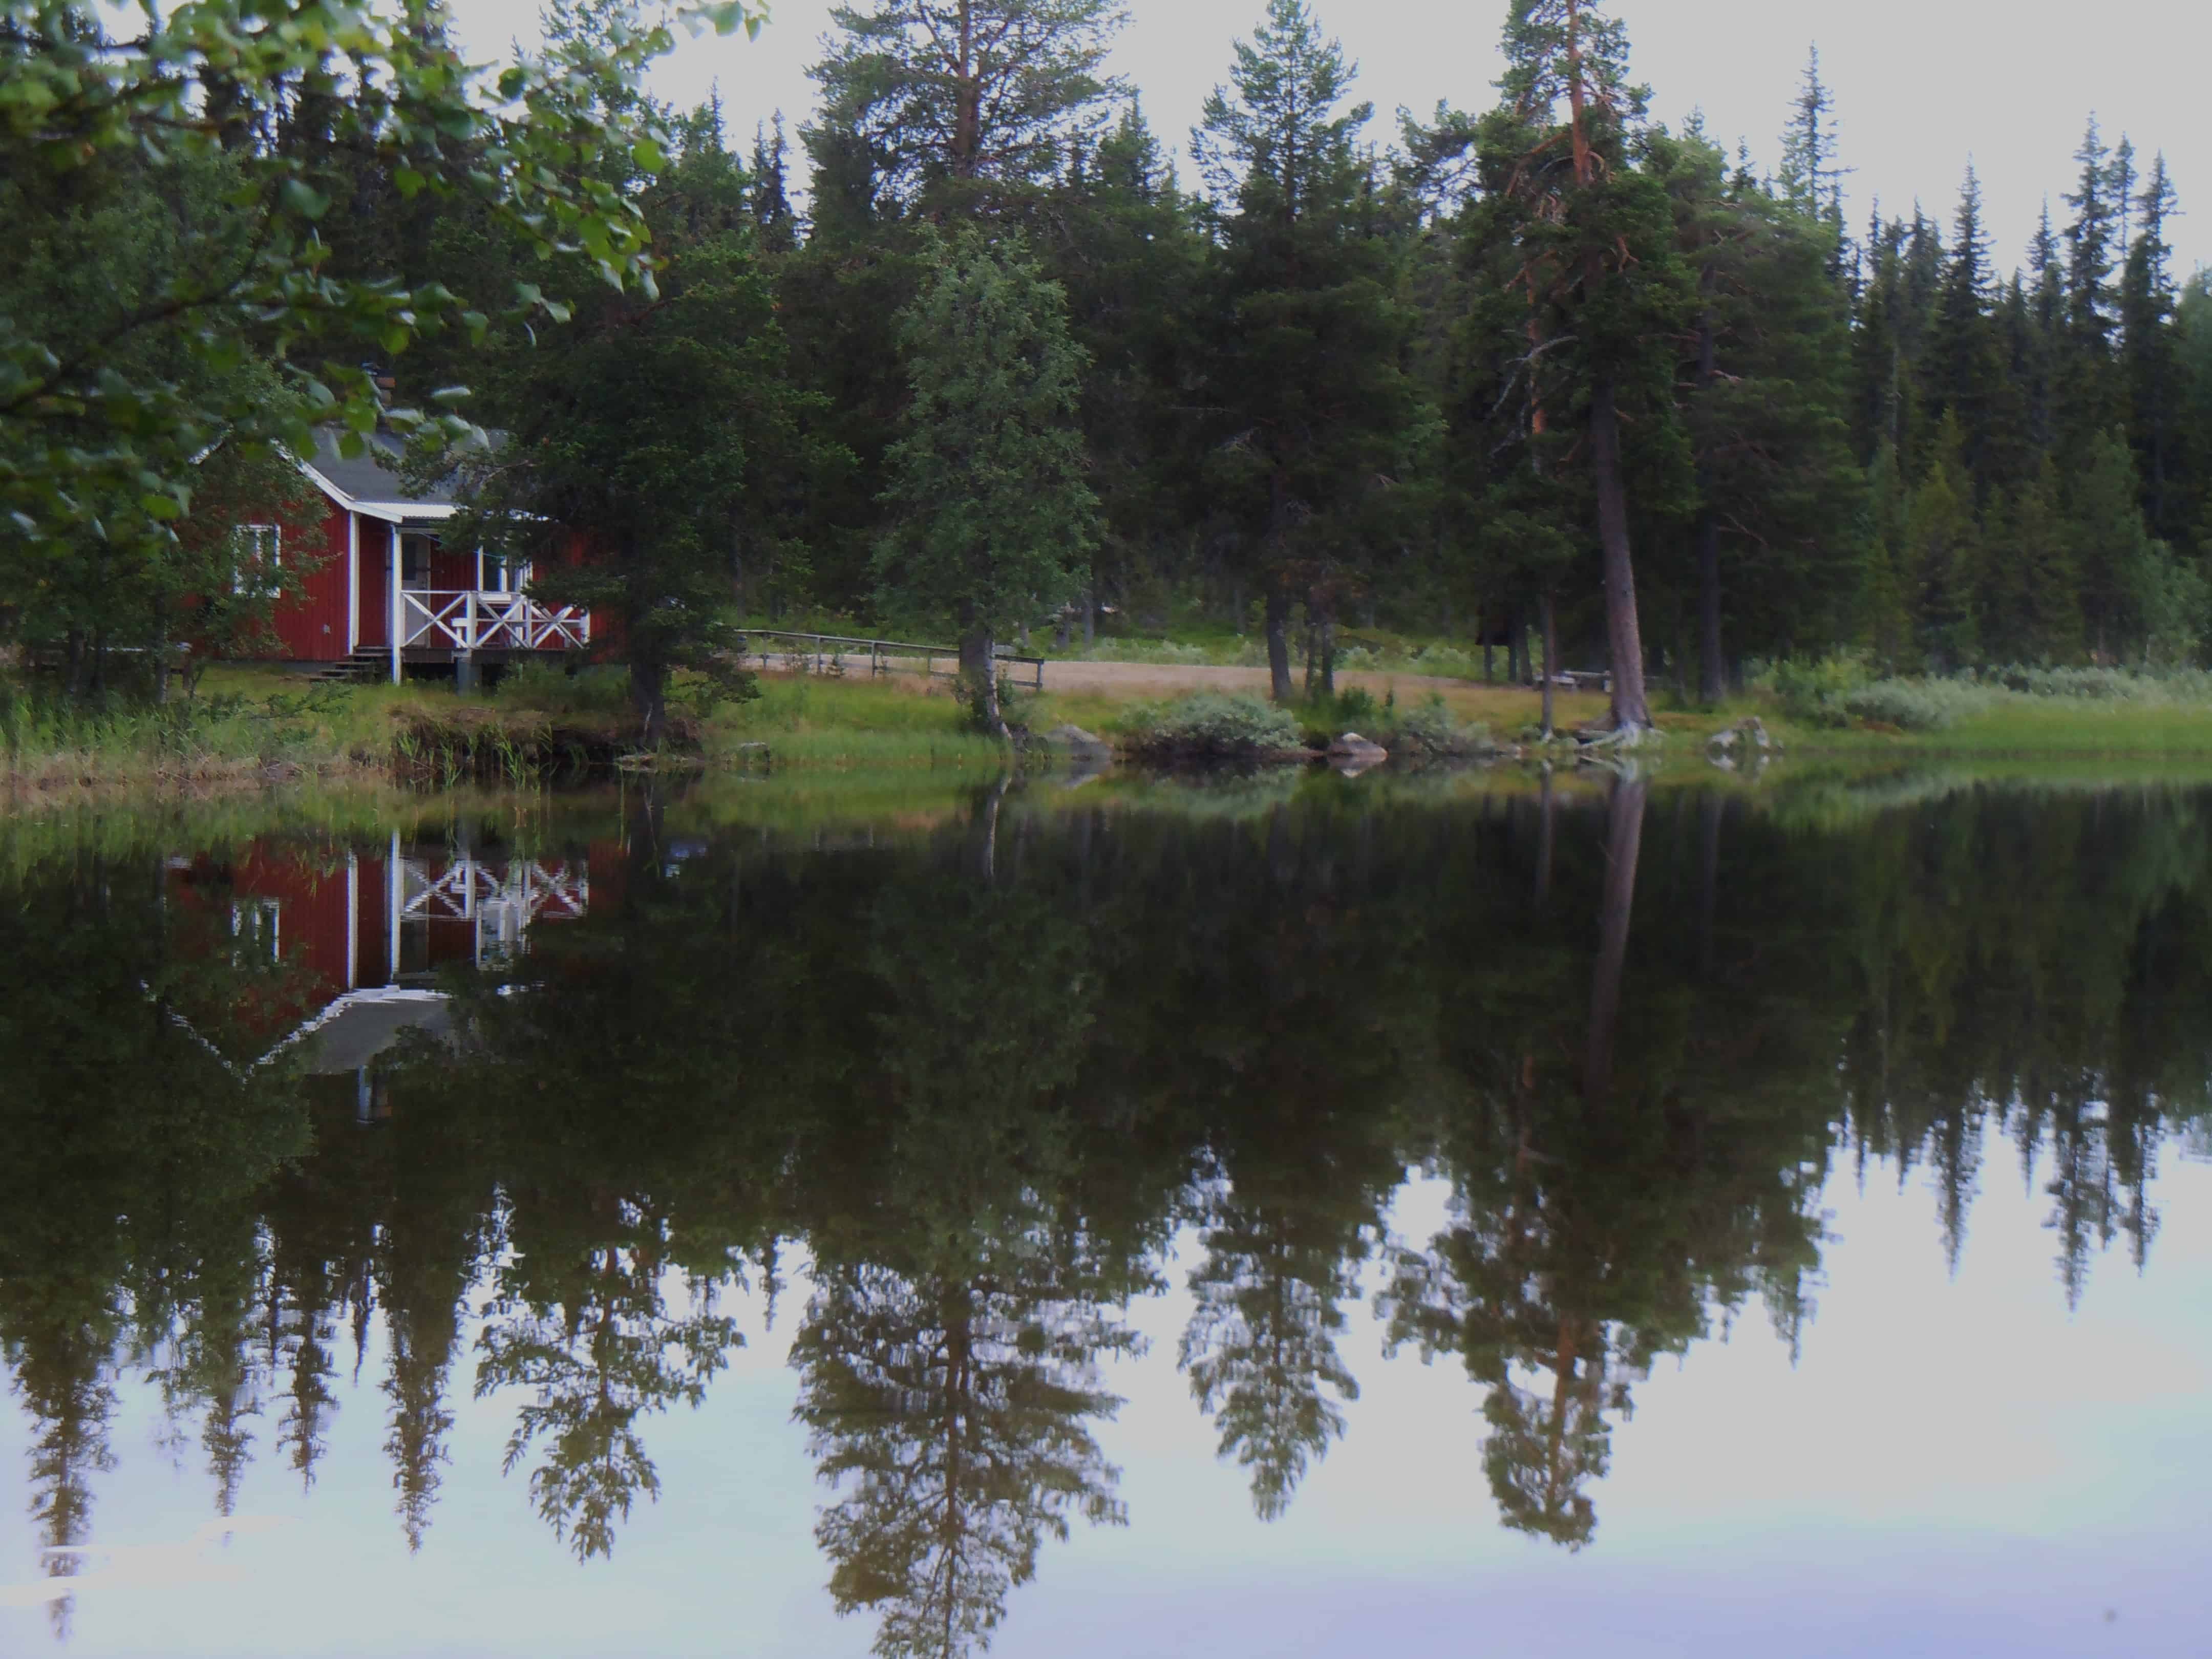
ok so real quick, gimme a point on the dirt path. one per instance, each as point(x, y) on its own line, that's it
point(1505, 708)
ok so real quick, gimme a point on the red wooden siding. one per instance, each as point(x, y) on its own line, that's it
point(312, 621)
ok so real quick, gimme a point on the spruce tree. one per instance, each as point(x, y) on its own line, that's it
point(2147, 357)
point(1963, 368)
point(1944, 550)
point(1763, 370)
point(2030, 608)
point(653, 428)
point(1809, 179)
point(2091, 403)
point(991, 517)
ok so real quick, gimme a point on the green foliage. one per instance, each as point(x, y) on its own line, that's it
point(1210, 723)
point(991, 516)
point(284, 98)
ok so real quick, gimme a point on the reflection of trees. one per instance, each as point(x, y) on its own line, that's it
point(949, 1358)
point(587, 1329)
point(1613, 1193)
point(1260, 1347)
point(982, 1076)
point(951, 1414)
point(131, 1150)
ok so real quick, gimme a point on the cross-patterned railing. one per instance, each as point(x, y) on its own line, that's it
point(524, 887)
point(480, 620)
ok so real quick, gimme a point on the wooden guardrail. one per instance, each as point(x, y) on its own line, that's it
point(831, 649)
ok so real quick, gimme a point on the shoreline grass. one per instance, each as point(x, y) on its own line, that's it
point(252, 726)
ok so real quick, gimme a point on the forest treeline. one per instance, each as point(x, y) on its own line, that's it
point(1636, 1033)
point(975, 347)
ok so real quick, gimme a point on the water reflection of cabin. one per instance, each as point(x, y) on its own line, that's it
point(368, 932)
point(382, 591)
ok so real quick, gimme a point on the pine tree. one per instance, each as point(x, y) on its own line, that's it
point(1320, 418)
point(961, 103)
point(1593, 242)
point(1131, 260)
point(992, 519)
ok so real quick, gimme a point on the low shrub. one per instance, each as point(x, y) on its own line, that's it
point(1813, 693)
point(1915, 705)
point(1430, 730)
point(1213, 724)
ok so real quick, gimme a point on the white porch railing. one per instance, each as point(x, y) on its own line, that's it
point(489, 621)
point(500, 900)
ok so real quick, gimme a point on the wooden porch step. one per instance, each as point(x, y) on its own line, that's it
point(369, 664)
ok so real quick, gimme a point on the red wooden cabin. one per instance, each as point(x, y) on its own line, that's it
point(385, 591)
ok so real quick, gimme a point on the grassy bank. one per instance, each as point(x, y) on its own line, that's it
point(249, 727)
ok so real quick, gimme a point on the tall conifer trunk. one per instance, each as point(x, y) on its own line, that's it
point(1712, 670)
point(1278, 641)
point(1551, 655)
point(1624, 840)
point(1624, 638)
point(1708, 538)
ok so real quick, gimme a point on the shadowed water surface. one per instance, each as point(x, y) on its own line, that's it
point(1619, 1218)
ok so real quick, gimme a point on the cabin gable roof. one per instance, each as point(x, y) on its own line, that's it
point(364, 484)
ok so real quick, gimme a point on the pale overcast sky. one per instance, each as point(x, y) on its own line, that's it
point(1920, 85)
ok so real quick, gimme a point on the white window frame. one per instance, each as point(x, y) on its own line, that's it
point(258, 921)
point(262, 545)
point(514, 573)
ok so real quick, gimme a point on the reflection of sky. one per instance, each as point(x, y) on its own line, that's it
point(1954, 1466)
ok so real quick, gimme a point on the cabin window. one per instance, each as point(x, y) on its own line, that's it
point(415, 560)
point(259, 554)
point(493, 573)
point(255, 939)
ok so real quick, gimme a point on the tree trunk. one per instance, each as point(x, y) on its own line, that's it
point(1551, 655)
point(648, 698)
point(979, 676)
point(1279, 642)
point(1091, 613)
point(1624, 838)
point(1328, 649)
point(983, 832)
point(1631, 713)
point(1712, 665)
point(1708, 538)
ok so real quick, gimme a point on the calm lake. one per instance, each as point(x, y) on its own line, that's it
point(1460, 1216)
